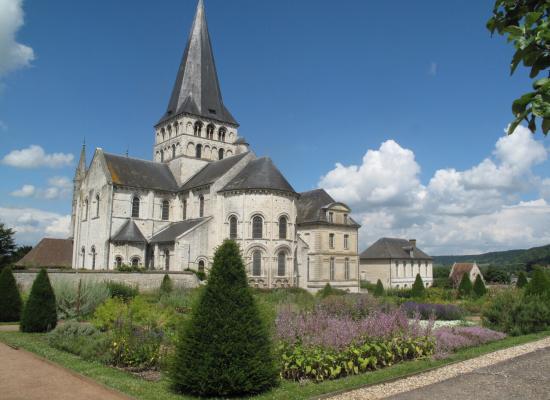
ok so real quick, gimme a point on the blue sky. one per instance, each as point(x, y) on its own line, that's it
point(312, 83)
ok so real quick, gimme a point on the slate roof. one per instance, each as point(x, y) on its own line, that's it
point(49, 253)
point(260, 173)
point(211, 172)
point(311, 204)
point(385, 248)
point(129, 233)
point(197, 89)
point(140, 173)
point(175, 230)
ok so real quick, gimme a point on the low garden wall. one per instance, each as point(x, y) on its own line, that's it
point(144, 280)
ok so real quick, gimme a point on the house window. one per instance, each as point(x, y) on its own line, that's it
point(331, 217)
point(257, 263)
point(198, 151)
point(346, 269)
point(184, 209)
point(93, 257)
point(167, 260)
point(135, 261)
point(345, 219)
point(346, 244)
point(233, 227)
point(282, 227)
point(201, 206)
point(331, 268)
point(97, 206)
point(118, 261)
point(135, 207)
point(281, 264)
point(257, 227)
point(165, 210)
point(331, 240)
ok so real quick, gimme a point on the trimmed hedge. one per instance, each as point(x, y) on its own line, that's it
point(40, 312)
point(379, 290)
point(479, 287)
point(418, 289)
point(10, 299)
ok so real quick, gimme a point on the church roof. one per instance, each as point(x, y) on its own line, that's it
point(49, 253)
point(176, 229)
point(311, 207)
point(260, 173)
point(137, 173)
point(211, 172)
point(197, 89)
point(385, 248)
point(129, 233)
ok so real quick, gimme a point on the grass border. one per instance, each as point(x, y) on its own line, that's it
point(143, 390)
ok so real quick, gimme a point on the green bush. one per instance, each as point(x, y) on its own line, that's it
point(224, 349)
point(130, 268)
point(479, 289)
point(418, 289)
point(522, 280)
point(498, 312)
point(122, 290)
point(330, 291)
point(379, 290)
point(465, 288)
point(166, 286)
point(532, 315)
point(10, 299)
point(319, 364)
point(539, 285)
point(79, 299)
point(40, 313)
point(83, 340)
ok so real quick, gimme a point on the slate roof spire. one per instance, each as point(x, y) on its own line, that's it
point(80, 172)
point(197, 89)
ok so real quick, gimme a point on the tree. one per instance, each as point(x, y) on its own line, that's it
point(40, 313)
point(224, 349)
point(497, 275)
point(526, 24)
point(522, 280)
point(539, 285)
point(465, 287)
point(166, 285)
point(10, 299)
point(479, 287)
point(19, 253)
point(418, 289)
point(379, 289)
point(7, 245)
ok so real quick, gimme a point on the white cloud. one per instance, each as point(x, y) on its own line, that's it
point(433, 69)
point(13, 55)
point(25, 191)
point(60, 188)
point(34, 157)
point(474, 210)
point(3, 126)
point(31, 224)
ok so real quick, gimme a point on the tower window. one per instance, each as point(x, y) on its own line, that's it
point(201, 266)
point(257, 263)
point(257, 227)
point(97, 206)
point(221, 134)
point(220, 154)
point(165, 210)
point(83, 256)
point(233, 227)
point(93, 257)
point(135, 261)
point(162, 156)
point(85, 216)
point(173, 151)
point(201, 206)
point(282, 227)
point(118, 261)
point(135, 207)
point(184, 209)
point(210, 131)
point(198, 128)
point(198, 151)
point(281, 264)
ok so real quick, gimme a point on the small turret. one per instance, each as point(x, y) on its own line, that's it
point(79, 175)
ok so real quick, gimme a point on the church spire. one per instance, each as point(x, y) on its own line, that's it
point(81, 169)
point(197, 89)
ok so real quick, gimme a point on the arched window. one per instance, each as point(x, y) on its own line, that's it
point(162, 156)
point(346, 269)
point(221, 134)
point(184, 209)
point(97, 206)
point(201, 206)
point(220, 154)
point(198, 151)
point(135, 207)
point(135, 261)
point(85, 210)
point(257, 263)
point(163, 134)
point(201, 266)
point(332, 268)
point(282, 228)
point(210, 131)
point(173, 151)
point(176, 128)
point(93, 257)
point(83, 256)
point(118, 261)
point(165, 210)
point(233, 227)
point(281, 263)
point(198, 128)
point(167, 260)
point(257, 227)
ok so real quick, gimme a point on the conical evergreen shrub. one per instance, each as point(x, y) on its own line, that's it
point(539, 284)
point(418, 289)
point(166, 285)
point(479, 287)
point(522, 280)
point(379, 289)
point(465, 287)
point(10, 299)
point(224, 349)
point(40, 313)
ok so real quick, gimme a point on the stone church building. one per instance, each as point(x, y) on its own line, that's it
point(205, 185)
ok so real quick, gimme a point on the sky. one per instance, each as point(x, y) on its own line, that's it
point(397, 108)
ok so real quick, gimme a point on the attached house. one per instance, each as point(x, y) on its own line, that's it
point(459, 269)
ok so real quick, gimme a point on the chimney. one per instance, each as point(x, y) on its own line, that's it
point(412, 242)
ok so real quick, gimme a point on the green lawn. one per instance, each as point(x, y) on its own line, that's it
point(141, 389)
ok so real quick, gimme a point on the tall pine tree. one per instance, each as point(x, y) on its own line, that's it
point(465, 287)
point(418, 289)
point(479, 287)
point(224, 349)
point(40, 312)
point(10, 299)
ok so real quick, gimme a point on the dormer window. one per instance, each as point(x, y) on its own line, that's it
point(331, 217)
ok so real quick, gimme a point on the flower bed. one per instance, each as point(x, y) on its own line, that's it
point(450, 339)
point(447, 312)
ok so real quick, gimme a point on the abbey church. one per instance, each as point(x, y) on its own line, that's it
point(204, 185)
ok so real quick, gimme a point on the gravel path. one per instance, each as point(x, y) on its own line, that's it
point(443, 373)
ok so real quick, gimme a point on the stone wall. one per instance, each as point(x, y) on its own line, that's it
point(146, 281)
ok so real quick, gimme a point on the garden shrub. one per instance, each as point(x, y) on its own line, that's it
point(83, 340)
point(166, 286)
point(330, 291)
point(479, 288)
point(78, 299)
point(122, 290)
point(497, 313)
point(379, 290)
point(10, 299)
point(444, 312)
point(522, 280)
point(418, 290)
point(39, 313)
point(224, 349)
point(130, 268)
point(465, 288)
point(539, 284)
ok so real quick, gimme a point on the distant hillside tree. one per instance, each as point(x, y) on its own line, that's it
point(465, 288)
point(10, 299)
point(7, 245)
point(418, 289)
point(522, 280)
point(479, 287)
point(379, 289)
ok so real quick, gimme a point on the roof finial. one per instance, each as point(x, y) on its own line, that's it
point(127, 150)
